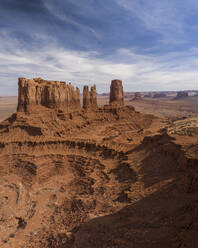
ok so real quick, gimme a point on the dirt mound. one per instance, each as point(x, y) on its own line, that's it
point(95, 177)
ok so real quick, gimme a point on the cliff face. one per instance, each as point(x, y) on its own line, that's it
point(51, 94)
point(116, 92)
point(89, 97)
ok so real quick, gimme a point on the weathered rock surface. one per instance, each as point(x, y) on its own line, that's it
point(89, 97)
point(51, 94)
point(181, 95)
point(112, 178)
point(116, 92)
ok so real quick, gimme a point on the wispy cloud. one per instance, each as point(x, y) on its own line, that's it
point(150, 45)
point(166, 18)
point(138, 72)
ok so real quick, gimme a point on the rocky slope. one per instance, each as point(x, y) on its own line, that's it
point(96, 177)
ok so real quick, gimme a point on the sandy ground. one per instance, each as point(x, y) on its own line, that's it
point(7, 106)
point(167, 107)
point(162, 107)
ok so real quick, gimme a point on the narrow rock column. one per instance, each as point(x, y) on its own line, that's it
point(89, 97)
point(86, 97)
point(116, 92)
point(93, 97)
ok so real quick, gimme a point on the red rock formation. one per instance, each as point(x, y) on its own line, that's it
point(89, 97)
point(51, 94)
point(93, 96)
point(116, 92)
point(86, 97)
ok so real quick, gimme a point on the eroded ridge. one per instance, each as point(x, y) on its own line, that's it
point(94, 176)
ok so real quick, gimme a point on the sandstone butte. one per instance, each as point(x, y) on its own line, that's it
point(116, 92)
point(91, 176)
point(51, 94)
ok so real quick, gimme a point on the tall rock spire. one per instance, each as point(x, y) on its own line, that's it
point(116, 92)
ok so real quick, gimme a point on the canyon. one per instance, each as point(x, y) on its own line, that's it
point(75, 176)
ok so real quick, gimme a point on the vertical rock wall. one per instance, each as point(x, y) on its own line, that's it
point(51, 94)
point(116, 92)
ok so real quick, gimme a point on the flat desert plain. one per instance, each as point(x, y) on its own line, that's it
point(7, 106)
point(162, 107)
point(166, 107)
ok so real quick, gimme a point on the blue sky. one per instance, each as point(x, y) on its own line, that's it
point(149, 44)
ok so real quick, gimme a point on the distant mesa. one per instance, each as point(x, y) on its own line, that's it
point(128, 95)
point(116, 92)
point(159, 95)
point(104, 94)
point(181, 95)
point(137, 97)
point(148, 95)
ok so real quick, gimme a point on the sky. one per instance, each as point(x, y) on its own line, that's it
point(151, 45)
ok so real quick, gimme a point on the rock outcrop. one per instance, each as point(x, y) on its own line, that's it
point(51, 94)
point(137, 97)
point(89, 97)
point(116, 92)
point(181, 95)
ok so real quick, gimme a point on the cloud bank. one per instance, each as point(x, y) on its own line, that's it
point(150, 45)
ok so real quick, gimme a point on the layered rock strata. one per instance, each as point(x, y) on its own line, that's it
point(116, 92)
point(51, 94)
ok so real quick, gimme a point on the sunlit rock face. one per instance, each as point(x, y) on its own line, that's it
point(51, 94)
point(116, 92)
point(89, 97)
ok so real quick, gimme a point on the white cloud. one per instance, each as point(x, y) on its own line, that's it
point(173, 71)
